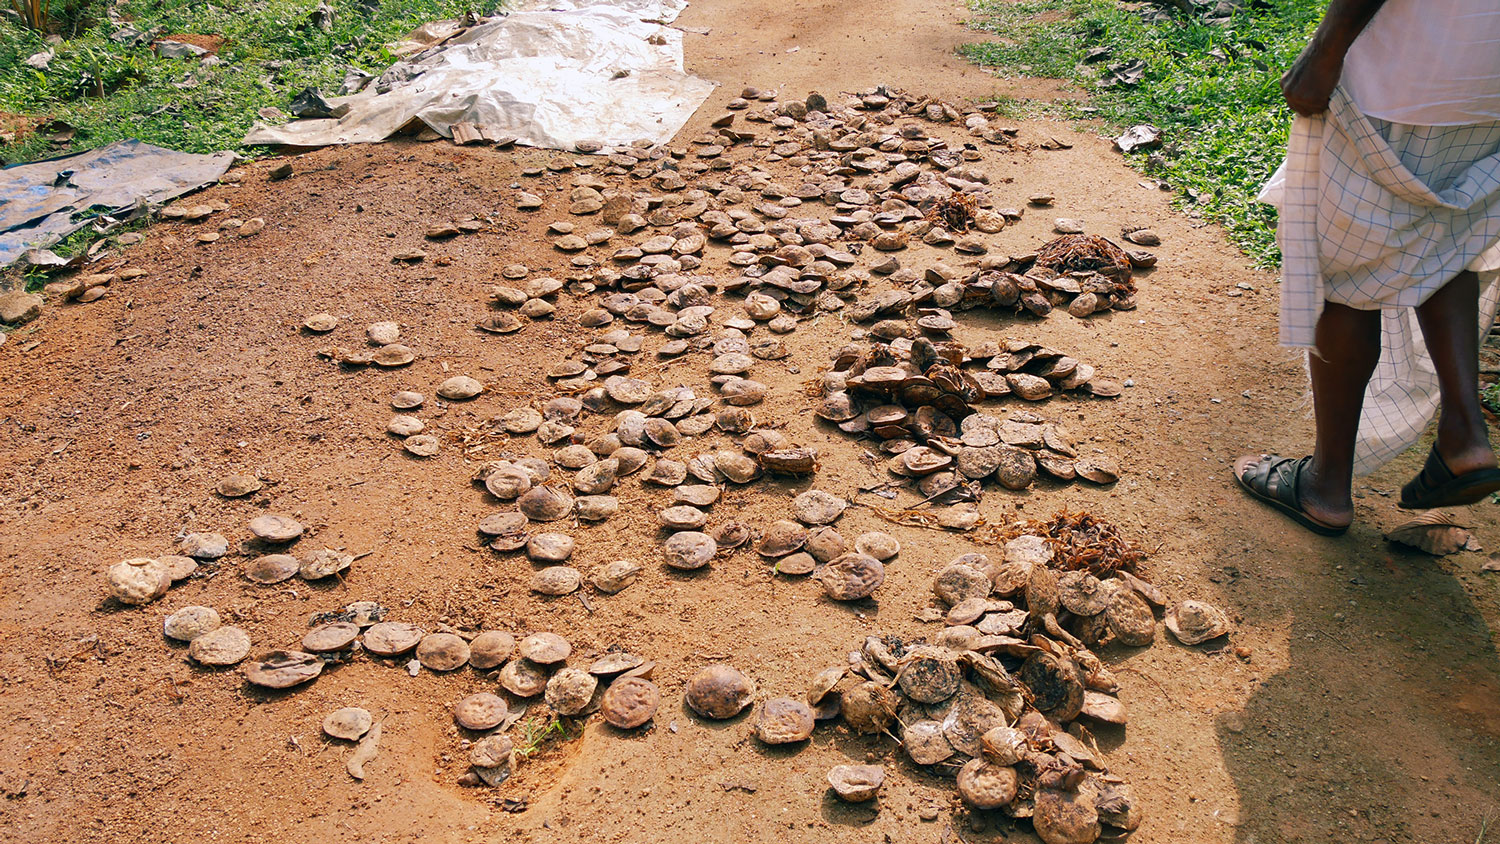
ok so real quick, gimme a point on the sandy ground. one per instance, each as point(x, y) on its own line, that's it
point(1368, 708)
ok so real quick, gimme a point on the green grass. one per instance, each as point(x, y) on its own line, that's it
point(111, 91)
point(1213, 90)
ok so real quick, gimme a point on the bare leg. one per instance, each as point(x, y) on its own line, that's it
point(1348, 349)
point(1349, 344)
point(1450, 323)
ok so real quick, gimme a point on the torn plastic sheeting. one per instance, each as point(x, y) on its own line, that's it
point(547, 78)
point(45, 201)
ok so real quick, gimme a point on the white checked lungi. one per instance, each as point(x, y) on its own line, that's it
point(1379, 216)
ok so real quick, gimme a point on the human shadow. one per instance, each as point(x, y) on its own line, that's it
point(1384, 723)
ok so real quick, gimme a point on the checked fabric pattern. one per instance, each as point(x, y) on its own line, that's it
point(1379, 216)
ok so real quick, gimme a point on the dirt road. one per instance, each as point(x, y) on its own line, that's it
point(1368, 707)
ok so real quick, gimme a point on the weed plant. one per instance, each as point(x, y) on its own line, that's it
point(1213, 90)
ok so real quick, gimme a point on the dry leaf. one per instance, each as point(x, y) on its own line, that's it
point(1434, 532)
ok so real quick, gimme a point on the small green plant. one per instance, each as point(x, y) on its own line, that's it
point(1490, 397)
point(1213, 90)
point(538, 733)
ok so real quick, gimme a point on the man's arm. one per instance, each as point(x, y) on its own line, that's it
point(1311, 80)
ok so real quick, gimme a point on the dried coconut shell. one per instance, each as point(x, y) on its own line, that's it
point(348, 723)
point(629, 702)
point(189, 623)
point(490, 649)
point(284, 669)
point(1435, 533)
point(334, 636)
point(392, 638)
point(851, 577)
point(856, 783)
point(570, 691)
point(442, 651)
point(719, 692)
point(481, 711)
point(784, 721)
point(1194, 622)
point(984, 785)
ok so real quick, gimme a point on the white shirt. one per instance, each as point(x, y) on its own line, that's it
point(1428, 63)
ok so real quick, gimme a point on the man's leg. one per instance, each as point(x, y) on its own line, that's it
point(1348, 349)
point(1450, 325)
point(1349, 341)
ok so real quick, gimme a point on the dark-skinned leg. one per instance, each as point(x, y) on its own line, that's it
point(1450, 325)
point(1349, 344)
point(1348, 349)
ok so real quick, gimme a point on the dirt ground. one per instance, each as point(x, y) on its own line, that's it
point(1368, 708)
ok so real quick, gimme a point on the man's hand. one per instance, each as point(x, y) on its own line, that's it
point(1310, 81)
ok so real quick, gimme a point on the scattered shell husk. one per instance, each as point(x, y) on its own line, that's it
point(422, 445)
point(284, 669)
point(925, 743)
point(545, 504)
point(719, 692)
point(629, 702)
point(783, 537)
point(480, 711)
point(459, 388)
point(490, 649)
point(274, 528)
point(1435, 533)
point(139, 580)
point(1065, 817)
point(815, 507)
point(825, 544)
point(238, 485)
point(929, 674)
point(545, 648)
point(523, 678)
point(442, 651)
point(984, 785)
point(323, 563)
point(556, 580)
point(616, 576)
point(392, 638)
point(189, 623)
point(570, 691)
point(688, 550)
point(615, 663)
point(856, 783)
point(550, 547)
point(493, 751)
point(1103, 707)
point(1195, 622)
point(784, 721)
point(220, 646)
point(870, 708)
point(851, 577)
point(334, 636)
point(348, 723)
point(1130, 618)
point(879, 545)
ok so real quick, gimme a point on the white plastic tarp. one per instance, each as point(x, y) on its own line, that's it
point(45, 201)
point(550, 75)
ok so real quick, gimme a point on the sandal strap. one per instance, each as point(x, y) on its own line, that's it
point(1279, 478)
point(1434, 474)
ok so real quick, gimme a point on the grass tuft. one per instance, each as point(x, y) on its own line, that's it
point(111, 90)
point(1214, 91)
